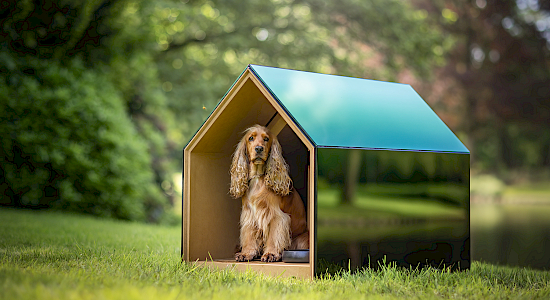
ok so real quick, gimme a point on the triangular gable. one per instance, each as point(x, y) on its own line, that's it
point(247, 102)
point(338, 111)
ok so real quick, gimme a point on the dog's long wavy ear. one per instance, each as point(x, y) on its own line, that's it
point(239, 171)
point(276, 173)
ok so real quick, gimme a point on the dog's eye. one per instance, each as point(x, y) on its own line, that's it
point(251, 138)
point(266, 139)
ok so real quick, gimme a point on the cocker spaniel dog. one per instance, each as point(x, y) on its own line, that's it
point(273, 217)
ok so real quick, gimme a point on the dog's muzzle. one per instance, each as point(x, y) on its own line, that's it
point(258, 161)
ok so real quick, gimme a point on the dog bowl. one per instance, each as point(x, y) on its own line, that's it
point(296, 256)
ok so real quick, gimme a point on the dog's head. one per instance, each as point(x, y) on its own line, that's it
point(259, 146)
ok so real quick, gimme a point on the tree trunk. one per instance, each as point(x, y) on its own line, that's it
point(352, 176)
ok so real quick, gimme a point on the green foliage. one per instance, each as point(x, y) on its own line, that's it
point(68, 143)
point(103, 49)
point(53, 29)
point(56, 256)
point(389, 166)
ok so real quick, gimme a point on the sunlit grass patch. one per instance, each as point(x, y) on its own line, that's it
point(378, 203)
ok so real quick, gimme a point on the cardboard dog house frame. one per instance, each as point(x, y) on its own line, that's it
point(381, 135)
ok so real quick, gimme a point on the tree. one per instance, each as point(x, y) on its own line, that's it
point(500, 73)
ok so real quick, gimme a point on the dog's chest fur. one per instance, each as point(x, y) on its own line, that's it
point(254, 195)
point(261, 207)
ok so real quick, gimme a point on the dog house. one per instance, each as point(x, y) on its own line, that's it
point(382, 178)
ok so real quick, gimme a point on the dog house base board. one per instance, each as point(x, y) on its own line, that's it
point(278, 269)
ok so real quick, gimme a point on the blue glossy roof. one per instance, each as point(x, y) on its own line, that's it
point(338, 111)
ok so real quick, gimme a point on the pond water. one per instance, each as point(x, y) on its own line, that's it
point(515, 235)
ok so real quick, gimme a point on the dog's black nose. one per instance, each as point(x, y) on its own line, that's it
point(259, 149)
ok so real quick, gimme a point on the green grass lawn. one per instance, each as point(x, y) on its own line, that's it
point(47, 255)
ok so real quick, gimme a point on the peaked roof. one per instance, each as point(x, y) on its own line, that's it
point(338, 111)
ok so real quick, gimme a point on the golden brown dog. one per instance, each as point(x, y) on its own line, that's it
point(273, 217)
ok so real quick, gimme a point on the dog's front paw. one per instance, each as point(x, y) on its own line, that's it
point(271, 257)
point(245, 256)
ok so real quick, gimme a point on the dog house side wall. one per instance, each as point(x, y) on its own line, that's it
point(404, 206)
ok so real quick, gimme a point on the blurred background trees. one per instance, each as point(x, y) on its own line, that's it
point(83, 116)
point(495, 86)
point(98, 98)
